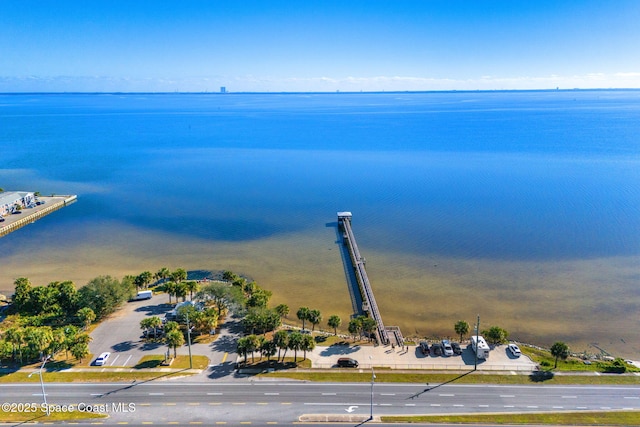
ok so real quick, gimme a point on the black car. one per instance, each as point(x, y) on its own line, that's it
point(456, 348)
point(347, 362)
point(424, 347)
point(437, 349)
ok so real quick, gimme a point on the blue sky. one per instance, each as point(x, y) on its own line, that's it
point(347, 45)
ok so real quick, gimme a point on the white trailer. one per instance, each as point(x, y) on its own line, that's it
point(480, 346)
point(143, 295)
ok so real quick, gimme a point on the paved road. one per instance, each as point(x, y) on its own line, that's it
point(163, 402)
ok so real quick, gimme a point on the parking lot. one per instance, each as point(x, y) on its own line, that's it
point(121, 335)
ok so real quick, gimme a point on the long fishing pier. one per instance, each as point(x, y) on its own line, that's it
point(369, 301)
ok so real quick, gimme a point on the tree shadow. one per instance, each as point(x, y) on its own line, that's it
point(339, 349)
point(58, 365)
point(222, 370)
point(154, 363)
point(157, 309)
point(541, 376)
point(124, 346)
point(137, 383)
point(151, 345)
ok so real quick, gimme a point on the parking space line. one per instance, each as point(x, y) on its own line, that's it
point(224, 358)
point(113, 362)
point(127, 361)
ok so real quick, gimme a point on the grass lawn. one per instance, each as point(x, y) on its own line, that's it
point(351, 375)
point(180, 362)
point(547, 361)
point(41, 417)
point(622, 418)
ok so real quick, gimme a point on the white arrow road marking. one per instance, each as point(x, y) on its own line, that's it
point(351, 409)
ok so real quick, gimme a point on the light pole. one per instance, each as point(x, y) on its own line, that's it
point(373, 377)
point(189, 342)
point(44, 396)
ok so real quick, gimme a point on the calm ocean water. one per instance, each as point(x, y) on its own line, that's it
point(506, 192)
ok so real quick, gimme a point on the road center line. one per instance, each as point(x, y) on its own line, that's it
point(446, 395)
point(507, 395)
point(214, 394)
point(156, 394)
point(329, 394)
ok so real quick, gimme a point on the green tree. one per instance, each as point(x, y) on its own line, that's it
point(559, 350)
point(162, 274)
point(174, 339)
point(308, 344)
point(334, 322)
point(282, 310)
point(495, 335)
point(21, 294)
point(303, 314)
point(15, 336)
point(146, 278)
point(86, 316)
point(368, 326)
point(355, 327)
point(37, 339)
point(253, 345)
point(80, 351)
point(242, 347)
point(229, 276)
point(295, 344)
point(268, 348)
point(179, 275)
point(223, 296)
point(462, 328)
point(170, 288)
point(258, 297)
point(314, 318)
point(181, 290)
point(192, 286)
point(281, 340)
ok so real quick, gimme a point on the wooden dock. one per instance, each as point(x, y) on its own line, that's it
point(53, 203)
point(369, 301)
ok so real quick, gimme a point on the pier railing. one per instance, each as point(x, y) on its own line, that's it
point(363, 280)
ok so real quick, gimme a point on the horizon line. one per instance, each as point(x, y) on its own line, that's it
point(336, 92)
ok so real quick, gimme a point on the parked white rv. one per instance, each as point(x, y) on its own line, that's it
point(480, 346)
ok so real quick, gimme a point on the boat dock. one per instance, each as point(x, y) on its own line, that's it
point(29, 215)
point(369, 304)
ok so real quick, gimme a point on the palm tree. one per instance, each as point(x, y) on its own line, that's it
point(15, 336)
point(268, 348)
point(86, 316)
point(281, 340)
point(368, 326)
point(181, 291)
point(174, 339)
point(303, 314)
point(80, 351)
point(170, 288)
point(334, 322)
point(355, 327)
point(559, 350)
point(162, 274)
point(192, 286)
point(282, 310)
point(315, 317)
point(179, 275)
point(145, 278)
point(295, 344)
point(462, 328)
point(308, 344)
point(242, 348)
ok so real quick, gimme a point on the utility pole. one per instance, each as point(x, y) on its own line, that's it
point(475, 368)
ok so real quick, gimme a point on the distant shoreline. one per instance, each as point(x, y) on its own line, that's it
point(337, 92)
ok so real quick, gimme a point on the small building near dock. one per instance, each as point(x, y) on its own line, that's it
point(10, 200)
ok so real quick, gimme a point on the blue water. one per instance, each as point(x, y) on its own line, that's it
point(527, 200)
point(505, 175)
